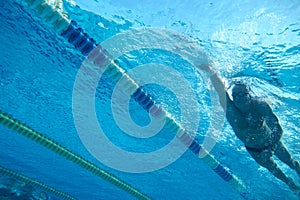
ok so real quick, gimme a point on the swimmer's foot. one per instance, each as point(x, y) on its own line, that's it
point(297, 167)
point(297, 193)
point(293, 186)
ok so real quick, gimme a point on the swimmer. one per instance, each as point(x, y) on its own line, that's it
point(255, 124)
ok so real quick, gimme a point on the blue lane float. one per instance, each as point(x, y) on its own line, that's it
point(141, 97)
point(81, 41)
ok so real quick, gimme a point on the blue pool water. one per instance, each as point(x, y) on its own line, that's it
point(254, 41)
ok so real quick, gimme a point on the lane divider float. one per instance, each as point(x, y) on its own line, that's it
point(24, 179)
point(55, 147)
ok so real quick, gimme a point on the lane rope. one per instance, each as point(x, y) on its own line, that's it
point(55, 147)
point(12, 174)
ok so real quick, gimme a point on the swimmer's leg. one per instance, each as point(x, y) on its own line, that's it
point(283, 154)
point(266, 160)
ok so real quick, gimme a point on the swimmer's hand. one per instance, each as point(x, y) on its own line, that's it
point(207, 68)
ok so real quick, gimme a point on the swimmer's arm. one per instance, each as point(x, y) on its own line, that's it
point(272, 121)
point(219, 86)
point(224, 99)
point(232, 114)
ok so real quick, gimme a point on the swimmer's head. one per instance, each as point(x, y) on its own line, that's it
point(241, 95)
point(240, 90)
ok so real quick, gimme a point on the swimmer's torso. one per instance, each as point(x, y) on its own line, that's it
point(250, 128)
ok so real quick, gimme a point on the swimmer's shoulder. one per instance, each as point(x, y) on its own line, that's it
point(260, 105)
